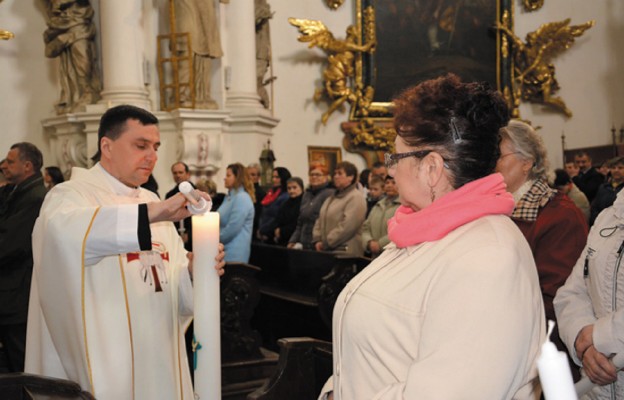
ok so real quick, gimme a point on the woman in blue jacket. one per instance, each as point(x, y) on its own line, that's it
point(236, 214)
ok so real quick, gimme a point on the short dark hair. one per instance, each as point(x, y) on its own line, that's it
point(561, 178)
point(29, 152)
point(113, 123)
point(56, 174)
point(582, 153)
point(297, 180)
point(349, 169)
point(615, 161)
point(378, 164)
point(460, 121)
point(186, 167)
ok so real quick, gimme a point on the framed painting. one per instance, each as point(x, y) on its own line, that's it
point(423, 39)
point(324, 157)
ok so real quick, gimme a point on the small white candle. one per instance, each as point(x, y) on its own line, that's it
point(206, 295)
point(554, 371)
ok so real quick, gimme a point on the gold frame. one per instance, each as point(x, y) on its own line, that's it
point(382, 111)
point(324, 156)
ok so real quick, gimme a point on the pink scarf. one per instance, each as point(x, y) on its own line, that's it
point(485, 196)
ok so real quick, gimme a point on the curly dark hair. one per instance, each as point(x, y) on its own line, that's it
point(460, 121)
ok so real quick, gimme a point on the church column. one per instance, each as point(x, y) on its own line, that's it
point(241, 55)
point(121, 35)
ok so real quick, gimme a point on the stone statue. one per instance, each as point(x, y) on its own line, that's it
point(70, 36)
point(198, 17)
point(263, 49)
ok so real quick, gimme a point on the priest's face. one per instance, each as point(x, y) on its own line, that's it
point(132, 156)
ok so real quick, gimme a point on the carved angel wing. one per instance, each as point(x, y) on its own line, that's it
point(314, 32)
point(554, 37)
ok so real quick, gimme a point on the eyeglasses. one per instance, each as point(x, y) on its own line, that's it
point(315, 174)
point(391, 160)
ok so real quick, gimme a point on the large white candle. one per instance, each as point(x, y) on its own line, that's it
point(206, 296)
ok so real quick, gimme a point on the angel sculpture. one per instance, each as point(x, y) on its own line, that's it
point(341, 58)
point(535, 74)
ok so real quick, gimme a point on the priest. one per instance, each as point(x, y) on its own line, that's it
point(111, 294)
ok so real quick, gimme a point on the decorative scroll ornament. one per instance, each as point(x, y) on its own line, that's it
point(534, 79)
point(334, 4)
point(5, 35)
point(339, 86)
point(532, 5)
point(367, 133)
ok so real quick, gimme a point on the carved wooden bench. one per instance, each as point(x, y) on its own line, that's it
point(304, 366)
point(299, 289)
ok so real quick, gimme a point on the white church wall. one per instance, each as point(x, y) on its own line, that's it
point(588, 74)
point(28, 80)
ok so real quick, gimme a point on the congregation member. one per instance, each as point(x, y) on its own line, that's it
point(209, 186)
point(236, 214)
point(375, 228)
point(111, 292)
point(318, 191)
point(379, 169)
point(18, 211)
point(337, 228)
point(363, 180)
point(375, 192)
point(273, 200)
point(608, 191)
point(589, 306)
point(286, 220)
point(52, 176)
point(181, 173)
point(571, 169)
point(588, 179)
point(452, 308)
point(255, 174)
point(554, 227)
point(603, 168)
point(564, 184)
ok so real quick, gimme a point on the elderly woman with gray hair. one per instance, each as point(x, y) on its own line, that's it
point(554, 227)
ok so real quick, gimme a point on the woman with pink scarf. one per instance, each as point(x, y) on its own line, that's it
point(452, 308)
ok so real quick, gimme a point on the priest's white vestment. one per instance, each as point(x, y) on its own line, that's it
point(103, 313)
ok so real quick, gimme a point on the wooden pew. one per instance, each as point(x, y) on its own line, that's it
point(304, 366)
point(299, 289)
point(33, 387)
point(245, 364)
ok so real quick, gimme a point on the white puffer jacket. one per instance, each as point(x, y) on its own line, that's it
point(594, 294)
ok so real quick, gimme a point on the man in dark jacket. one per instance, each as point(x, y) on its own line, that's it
point(588, 178)
point(18, 211)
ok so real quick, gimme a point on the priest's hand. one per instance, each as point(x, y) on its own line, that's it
point(220, 259)
point(173, 209)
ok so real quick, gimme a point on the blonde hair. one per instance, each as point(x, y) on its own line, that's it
point(242, 179)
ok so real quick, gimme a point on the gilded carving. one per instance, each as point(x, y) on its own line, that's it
point(532, 5)
point(338, 77)
point(367, 133)
point(5, 35)
point(334, 4)
point(534, 72)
